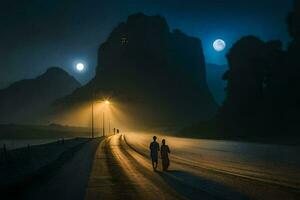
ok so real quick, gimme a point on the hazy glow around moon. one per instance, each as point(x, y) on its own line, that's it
point(80, 66)
point(219, 45)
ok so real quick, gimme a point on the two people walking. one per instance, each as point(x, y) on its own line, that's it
point(164, 152)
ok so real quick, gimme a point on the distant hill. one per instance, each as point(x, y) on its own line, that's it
point(216, 84)
point(158, 75)
point(23, 99)
point(4, 84)
point(17, 131)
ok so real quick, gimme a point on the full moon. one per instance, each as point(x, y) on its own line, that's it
point(219, 45)
point(80, 67)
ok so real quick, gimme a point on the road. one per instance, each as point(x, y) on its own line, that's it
point(66, 181)
point(200, 169)
point(119, 167)
point(121, 173)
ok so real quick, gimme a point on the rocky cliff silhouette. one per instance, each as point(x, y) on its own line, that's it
point(158, 74)
point(23, 100)
point(263, 83)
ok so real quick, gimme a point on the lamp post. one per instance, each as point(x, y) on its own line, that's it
point(92, 118)
point(93, 99)
point(103, 125)
point(103, 119)
point(108, 125)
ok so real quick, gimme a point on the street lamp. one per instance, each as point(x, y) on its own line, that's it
point(103, 125)
point(93, 117)
point(107, 102)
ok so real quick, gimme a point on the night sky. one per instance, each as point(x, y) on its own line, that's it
point(36, 34)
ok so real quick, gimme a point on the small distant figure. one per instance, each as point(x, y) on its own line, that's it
point(154, 149)
point(164, 152)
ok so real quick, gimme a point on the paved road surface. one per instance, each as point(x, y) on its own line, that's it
point(226, 169)
point(200, 169)
point(120, 173)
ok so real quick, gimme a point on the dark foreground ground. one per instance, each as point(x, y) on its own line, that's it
point(118, 167)
point(26, 173)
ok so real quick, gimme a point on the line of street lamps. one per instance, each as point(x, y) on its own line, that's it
point(107, 102)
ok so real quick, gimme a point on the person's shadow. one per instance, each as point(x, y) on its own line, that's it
point(195, 187)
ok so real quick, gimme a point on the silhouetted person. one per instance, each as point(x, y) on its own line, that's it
point(164, 152)
point(154, 148)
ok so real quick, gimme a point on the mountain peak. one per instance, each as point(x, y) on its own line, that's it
point(142, 59)
point(23, 99)
point(55, 71)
